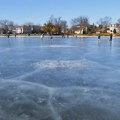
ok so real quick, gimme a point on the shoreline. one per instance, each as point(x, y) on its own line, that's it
point(58, 37)
point(71, 35)
point(74, 35)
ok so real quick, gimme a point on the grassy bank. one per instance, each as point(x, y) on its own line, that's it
point(102, 34)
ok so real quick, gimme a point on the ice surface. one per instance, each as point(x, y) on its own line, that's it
point(59, 79)
point(57, 46)
point(24, 100)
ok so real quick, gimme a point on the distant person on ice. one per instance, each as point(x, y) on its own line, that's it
point(8, 35)
point(15, 34)
point(111, 36)
point(99, 35)
point(42, 36)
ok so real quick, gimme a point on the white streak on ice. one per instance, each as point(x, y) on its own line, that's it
point(69, 64)
point(51, 64)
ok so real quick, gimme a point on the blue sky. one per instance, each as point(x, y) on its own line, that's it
point(39, 11)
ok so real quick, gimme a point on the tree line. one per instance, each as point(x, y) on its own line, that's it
point(59, 26)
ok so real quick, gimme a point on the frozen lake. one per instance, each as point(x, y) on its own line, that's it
point(59, 79)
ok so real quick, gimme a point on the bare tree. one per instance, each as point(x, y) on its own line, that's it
point(83, 21)
point(118, 21)
point(28, 24)
point(105, 21)
point(7, 25)
point(54, 21)
point(63, 25)
point(55, 25)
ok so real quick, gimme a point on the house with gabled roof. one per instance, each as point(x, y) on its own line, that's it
point(114, 28)
point(77, 29)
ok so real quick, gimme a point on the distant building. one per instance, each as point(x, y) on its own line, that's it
point(24, 29)
point(114, 28)
point(79, 30)
point(28, 29)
